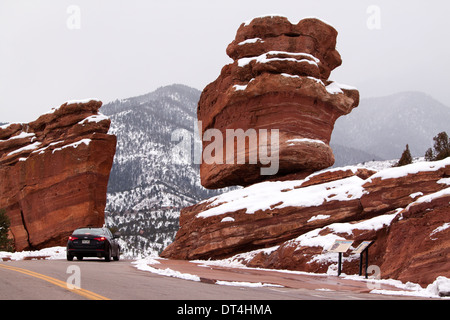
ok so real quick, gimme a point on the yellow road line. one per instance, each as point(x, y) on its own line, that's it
point(82, 292)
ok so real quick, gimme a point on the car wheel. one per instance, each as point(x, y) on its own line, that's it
point(108, 255)
point(69, 257)
point(80, 258)
point(117, 256)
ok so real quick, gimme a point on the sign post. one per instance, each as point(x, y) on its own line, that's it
point(340, 246)
point(363, 247)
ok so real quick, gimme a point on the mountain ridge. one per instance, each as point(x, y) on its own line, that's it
point(384, 125)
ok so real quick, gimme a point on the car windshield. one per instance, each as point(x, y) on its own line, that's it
point(92, 231)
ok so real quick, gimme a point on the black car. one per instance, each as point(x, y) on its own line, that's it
point(93, 242)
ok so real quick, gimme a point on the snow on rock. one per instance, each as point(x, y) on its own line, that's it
point(94, 118)
point(267, 195)
point(423, 166)
point(287, 56)
point(300, 220)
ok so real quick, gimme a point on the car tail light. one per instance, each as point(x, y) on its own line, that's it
point(71, 238)
point(100, 239)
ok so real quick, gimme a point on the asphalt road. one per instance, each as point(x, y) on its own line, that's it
point(120, 280)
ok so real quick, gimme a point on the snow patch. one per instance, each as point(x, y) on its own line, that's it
point(444, 181)
point(81, 101)
point(52, 253)
point(398, 172)
point(445, 226)
point(248, 41)
point(287, 75)
point(431, 197)
point(415, 195)
point(266, 195)
point(21, 136)
point(308, 58)
point(94, 118)
point(293, 141)
point(247, 284)
point(335, 88)
point(375, 224)
point(238, 87)
point(143, 264)
point(74, 145)
point(319, 217)
point(26, 148)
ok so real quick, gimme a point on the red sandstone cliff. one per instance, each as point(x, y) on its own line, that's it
point(54, 173)
point(405, 211)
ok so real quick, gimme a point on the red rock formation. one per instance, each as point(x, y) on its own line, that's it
point(54, 173)
point(418, 244)
point(278, 81)
point(404, 210)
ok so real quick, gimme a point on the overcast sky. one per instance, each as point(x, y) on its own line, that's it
point(52, 51)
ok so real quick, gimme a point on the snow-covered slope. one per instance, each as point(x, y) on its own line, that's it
point(149, 183)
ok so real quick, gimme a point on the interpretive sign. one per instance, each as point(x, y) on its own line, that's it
point(363, 246)
point(340, 246)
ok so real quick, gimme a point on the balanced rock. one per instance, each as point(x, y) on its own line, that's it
point(277, 100)
point(54, 173)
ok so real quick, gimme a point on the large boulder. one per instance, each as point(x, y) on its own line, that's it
point(277, 81)
point(54, 173)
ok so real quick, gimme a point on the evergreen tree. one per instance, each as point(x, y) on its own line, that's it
point(441, 148)
point(405, 159)
point(429, 156)
point(6, 244)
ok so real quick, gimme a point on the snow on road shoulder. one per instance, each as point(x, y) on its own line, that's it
point(52, 253)
point(145, 265)
point(440, 288)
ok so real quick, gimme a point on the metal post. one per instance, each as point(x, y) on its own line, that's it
point(339, 264)
point(367, 261)
point(360, 262)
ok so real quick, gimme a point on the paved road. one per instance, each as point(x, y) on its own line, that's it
point(47, 279)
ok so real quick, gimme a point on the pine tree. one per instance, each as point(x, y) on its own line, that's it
point(6, 244)
point(441, 148)
point(405, 159)
point(429, 156)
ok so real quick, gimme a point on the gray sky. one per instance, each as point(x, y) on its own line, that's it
point(51, 52)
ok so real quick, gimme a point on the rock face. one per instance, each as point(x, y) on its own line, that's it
point(277, 81)
point(292, 224)
point(54, 173)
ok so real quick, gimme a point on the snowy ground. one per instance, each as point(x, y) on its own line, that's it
point(441, 284)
